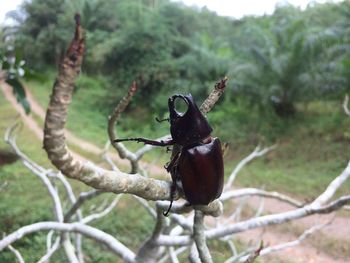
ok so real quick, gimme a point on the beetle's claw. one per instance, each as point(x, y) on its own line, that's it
point(167, 212)
point(166, 166)
point(169, 149)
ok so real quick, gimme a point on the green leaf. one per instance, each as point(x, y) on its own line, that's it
point(19, 92)
point(5, 65)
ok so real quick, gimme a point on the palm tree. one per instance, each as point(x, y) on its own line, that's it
point(285, 65)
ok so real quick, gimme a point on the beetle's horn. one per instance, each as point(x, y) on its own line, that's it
point(171, 104)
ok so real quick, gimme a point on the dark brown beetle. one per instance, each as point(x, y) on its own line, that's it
point(197, 169)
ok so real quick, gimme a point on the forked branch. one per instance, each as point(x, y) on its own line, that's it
point(84, 171)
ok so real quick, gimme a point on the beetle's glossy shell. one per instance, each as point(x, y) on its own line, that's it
point(201, 171)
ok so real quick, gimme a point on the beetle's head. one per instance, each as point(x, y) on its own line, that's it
point(189, 126)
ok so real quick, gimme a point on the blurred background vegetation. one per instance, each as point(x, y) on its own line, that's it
point(288, 73)
point(275, 63)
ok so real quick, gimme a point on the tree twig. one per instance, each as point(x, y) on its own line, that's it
point(259, 192)
point(17, 254)
point(256, 153)
point(199, 237)
point(109, 241)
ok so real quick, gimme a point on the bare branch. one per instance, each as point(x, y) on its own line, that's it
point(293, 243)
point(106, 211)
point(194, 256)
point(214, 209)
point(279, 247)
point(214, 96)
point(236, 215)
point(243, 254)
point(199, 237)
point(17, 254)
point(146, 205)
point(123, 152)
point(50, 252)
point(61, 157)
point(184, 222)
point(83, 197)
point(173, 256)
point(256, 153)
point(251, 258)
point(259, 192)
point(69, 249)
point(276, 218)
point(10, 138)
point(257, 222)
point(101, 237)
point(118, 110)
point(72, 198)
point(37, 170)
point(232, 247)
point(107, 158)
point(176, 252)
point(149, 252)
point(260, 209)
point(332, 187)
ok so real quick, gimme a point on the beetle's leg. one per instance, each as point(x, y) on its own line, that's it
point(147, 141)
point(173, 162)
point(166, 165)
point(172, 193)
point(161, 120)
point(168, 149)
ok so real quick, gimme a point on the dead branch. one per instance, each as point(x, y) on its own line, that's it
point(83, 197)
point(256, 153)
point(258, 192)
point(106, 211)
point(214, 96)
point(150, 251)
point(50, 251)
point(58, 152)
point(17, 254)
point(199, 238)
point(101, 237)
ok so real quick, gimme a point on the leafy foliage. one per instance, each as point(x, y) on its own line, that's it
point(288, 61)
point(274, 62)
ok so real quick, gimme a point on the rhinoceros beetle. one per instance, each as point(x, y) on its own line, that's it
point(197, 169)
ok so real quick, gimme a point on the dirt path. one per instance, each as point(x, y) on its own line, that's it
point(71, 138)
point(318, 250)
point(338, 232)
point(28, 119)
